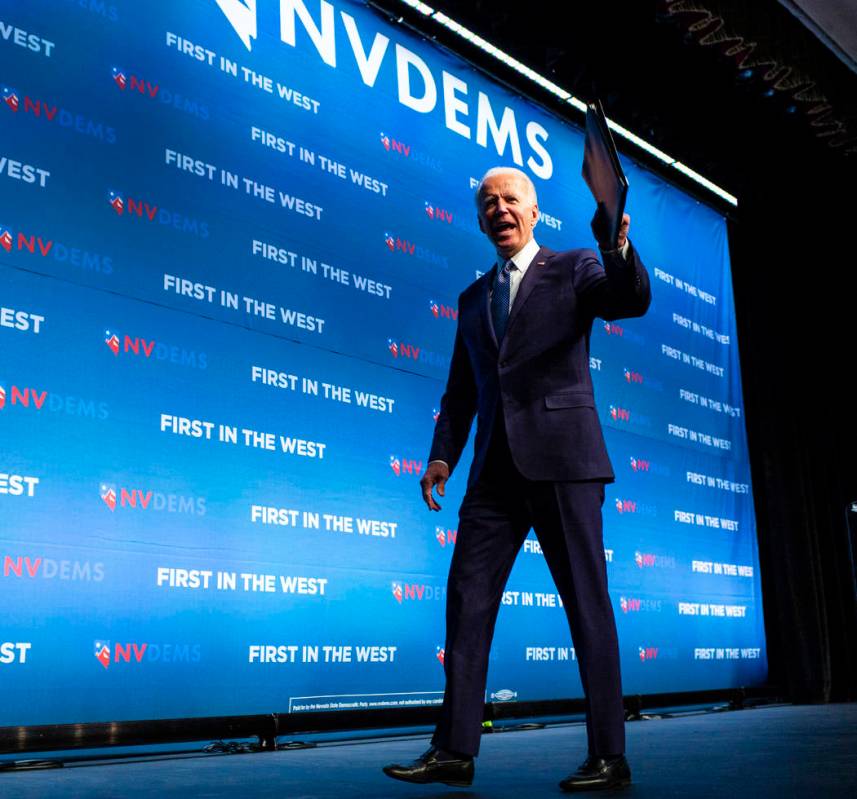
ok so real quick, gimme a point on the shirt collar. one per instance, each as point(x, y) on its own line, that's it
point(523, 258)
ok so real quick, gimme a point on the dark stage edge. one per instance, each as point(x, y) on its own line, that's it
point(786, 751)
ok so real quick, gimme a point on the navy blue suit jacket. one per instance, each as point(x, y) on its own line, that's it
point(538, 378)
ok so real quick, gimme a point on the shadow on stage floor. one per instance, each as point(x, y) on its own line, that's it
point(784, 751)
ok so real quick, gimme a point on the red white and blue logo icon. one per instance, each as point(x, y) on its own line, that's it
point(10, 97)
point(393, 347)
point(440, 655)
point(112, 341)
point(108, 495)
point(395, 465)
point(397, 591)
point(6, 238)
point(385, 140)
point(434, 308)
point(429, 210)
point(119, 78)
point(435, 414)
point(117, 202)
point(102, 652)
point(390, 241)
point(2, 396)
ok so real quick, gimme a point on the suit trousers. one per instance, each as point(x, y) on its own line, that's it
point(497, 512)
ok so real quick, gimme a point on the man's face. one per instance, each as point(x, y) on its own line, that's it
point(507, 213)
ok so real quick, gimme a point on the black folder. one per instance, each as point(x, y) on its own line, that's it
point(602, 170)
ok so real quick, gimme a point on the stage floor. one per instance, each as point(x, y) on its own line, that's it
point(806, 751)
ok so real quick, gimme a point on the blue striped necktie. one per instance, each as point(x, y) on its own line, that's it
point(500, 300)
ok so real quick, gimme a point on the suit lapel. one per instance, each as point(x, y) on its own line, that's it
point(533, 274)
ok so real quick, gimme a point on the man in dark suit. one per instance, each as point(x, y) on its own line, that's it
point(520, 364)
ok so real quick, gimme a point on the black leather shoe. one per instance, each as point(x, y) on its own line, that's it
point(598, 773)
point(432, 767)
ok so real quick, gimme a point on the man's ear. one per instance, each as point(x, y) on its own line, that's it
point(535, 215)
point(479, 221)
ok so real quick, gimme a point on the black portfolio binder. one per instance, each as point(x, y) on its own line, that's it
point(602, 170)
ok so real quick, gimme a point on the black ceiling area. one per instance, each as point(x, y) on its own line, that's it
point(751, 97)
point(714, 83)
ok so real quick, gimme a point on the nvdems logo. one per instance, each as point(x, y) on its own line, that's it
point(405, 466)
point(645, 466)
point(392, 145)
point(139, 207)
point(151, 349)
point(417, 592)
point(399, 349)
point(43, 246)
point(121, 79)
point(637, 605)
point(445, 536)
point(440, 655)
point(399, 149)
point(626, 505)
point(22, 396)
point(402, 245)
point(131, 207)
point(141, 87)
point(148, 499)
point(136, 651)
point(619, 414)
point(70, 120)
point(633, 506)
point(437, 213)
point(648, 560)
point(439, 311)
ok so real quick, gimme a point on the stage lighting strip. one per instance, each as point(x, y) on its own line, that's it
point(567, 97)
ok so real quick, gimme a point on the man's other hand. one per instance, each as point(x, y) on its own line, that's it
point(436, 474)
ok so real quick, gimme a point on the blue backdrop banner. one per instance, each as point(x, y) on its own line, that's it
point(232, 238)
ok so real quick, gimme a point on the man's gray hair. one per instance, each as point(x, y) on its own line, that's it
point(508, 170)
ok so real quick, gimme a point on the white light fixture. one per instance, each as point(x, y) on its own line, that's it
point(565, 96)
